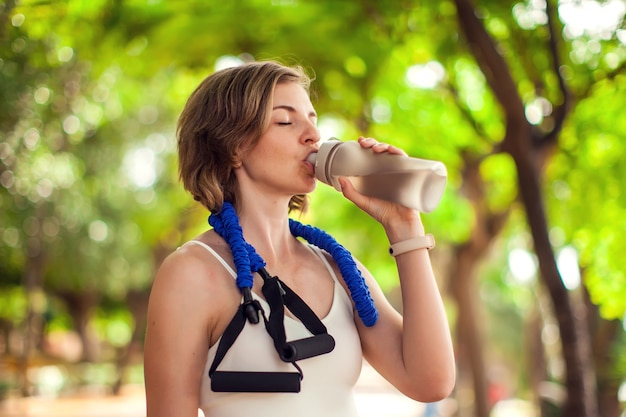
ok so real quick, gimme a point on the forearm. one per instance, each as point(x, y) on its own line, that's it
point(426, 342)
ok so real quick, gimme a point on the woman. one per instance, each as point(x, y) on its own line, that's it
point(244, 138)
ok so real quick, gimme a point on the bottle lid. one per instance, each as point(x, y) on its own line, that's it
point(322, 161)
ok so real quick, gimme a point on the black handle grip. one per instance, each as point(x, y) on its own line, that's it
point(228, 381)
point(307, 348)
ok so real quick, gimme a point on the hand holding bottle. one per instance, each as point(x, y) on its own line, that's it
point(381, 171)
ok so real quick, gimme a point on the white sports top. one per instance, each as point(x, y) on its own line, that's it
point(326, 389)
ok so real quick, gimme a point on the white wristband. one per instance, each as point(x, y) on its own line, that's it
point(422, 242)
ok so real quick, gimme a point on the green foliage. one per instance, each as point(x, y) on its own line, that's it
point(90, 92)
point(115, 327)
point(586, 196)
point(499, 173)
point(13, 304)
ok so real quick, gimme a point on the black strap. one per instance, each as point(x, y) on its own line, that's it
point(233, 381)
point(232, 332)
point(278, 295)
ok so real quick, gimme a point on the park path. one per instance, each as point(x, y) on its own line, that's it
point(374, 397)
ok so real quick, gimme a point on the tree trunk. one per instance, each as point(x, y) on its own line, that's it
point(470, 356)
point(606, 334)
point(608, 380)
point(463, 286)
point(138, 306)
point(575, 343)
point(548, 396)
point(80, 306)
point(32, 334)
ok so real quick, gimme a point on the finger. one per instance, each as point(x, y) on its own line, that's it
point(367, 142)
point(396, 151)
point(372, 143)
point(380, 147)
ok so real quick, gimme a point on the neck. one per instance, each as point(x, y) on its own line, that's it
point(266, 227)
point(247, 259)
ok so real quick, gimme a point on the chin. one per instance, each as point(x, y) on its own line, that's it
point(312, 187)
point(306, 184)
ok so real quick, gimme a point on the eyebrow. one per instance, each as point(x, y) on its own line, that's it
point(292, 109)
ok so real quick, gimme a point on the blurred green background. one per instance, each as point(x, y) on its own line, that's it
point(522, 100)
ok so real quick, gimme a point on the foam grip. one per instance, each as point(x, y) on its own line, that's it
point(232, 381)
point(307, 348)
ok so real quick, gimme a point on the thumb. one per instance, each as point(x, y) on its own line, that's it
point(346, 186)
point(351, 193)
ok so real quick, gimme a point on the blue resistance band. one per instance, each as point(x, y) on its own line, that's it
point(248, 261)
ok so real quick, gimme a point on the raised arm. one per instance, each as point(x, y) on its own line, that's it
point(413, 351)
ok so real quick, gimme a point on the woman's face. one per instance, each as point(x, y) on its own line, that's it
point(277, 162)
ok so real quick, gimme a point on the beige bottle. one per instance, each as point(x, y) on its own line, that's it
point(411, 182)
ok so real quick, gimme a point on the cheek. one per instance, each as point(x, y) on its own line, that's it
point(273, 150)
point(270, 147)
point(264, 159)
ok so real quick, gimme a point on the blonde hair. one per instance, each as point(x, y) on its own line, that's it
point(226, 114)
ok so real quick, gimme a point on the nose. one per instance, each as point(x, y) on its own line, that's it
point(311, 133)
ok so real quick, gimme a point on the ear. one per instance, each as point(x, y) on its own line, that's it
point(239, 155)
point(237, 161)
point(242, 150)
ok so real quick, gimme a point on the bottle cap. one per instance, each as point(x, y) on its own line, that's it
point(322, 161)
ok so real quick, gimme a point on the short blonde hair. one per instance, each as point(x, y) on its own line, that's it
point(226, 114)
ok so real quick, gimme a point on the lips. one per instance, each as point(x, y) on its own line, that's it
point(310, 167)
point(310, 159)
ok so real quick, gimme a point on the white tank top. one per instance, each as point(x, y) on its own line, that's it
point(327, 386)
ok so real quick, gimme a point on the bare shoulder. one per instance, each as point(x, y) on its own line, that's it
point(191, 268)
point(192, 283)
point(194, 264)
